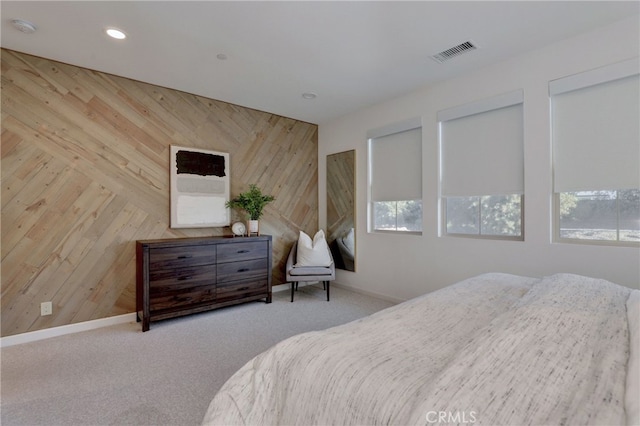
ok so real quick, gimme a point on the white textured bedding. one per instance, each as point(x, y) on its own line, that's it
point(496, 349)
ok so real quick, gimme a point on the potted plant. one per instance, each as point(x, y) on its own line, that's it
point(253, 202)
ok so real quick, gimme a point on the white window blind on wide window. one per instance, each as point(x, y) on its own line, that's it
point(596, 129)
point(396, 165)
point(482, 149)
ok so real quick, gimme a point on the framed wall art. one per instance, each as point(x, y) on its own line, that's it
point(199, 188)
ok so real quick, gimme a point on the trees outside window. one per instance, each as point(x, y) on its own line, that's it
point(398, 215)
point(492, 215)
point(600, 215)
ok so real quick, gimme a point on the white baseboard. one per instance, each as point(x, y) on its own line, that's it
point(280, 287)
point(287, 286)
point(47, 333)
point(368, 293)
point(34, 336)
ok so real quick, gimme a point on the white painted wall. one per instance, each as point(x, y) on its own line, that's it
point(404, 266)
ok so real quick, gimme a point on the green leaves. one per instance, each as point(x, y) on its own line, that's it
point(252, 201)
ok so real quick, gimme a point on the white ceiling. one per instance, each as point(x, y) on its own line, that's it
point(352, 54)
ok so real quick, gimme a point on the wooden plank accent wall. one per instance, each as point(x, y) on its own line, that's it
point(85, 173)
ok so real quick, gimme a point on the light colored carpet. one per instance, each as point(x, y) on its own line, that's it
point(167, 376)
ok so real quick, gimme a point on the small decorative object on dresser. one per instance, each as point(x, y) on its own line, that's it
point(253, 202)
point(238, 229)
point(181, 276)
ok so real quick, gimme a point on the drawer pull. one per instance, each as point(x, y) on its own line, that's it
point(243, 251)
point(244, 270)
point(186, 256)
point(184, 278)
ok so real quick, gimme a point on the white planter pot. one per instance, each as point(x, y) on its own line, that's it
point(253, 227)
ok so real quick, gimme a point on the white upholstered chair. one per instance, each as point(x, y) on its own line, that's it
point(296, 274)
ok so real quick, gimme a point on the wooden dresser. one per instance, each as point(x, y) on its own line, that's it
point(181, 276)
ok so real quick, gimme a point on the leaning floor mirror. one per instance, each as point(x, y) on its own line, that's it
point(341, 208)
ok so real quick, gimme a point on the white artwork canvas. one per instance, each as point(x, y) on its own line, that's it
point(199, 188)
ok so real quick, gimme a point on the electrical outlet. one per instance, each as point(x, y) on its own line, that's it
point(46, 308)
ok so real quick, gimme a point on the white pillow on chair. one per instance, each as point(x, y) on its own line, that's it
point(313, 253)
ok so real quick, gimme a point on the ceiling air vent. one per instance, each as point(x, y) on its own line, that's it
point(452, 52)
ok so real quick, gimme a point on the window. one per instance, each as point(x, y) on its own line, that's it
point(397, 215)
point(482, 168)
point(600, 215)
point(395, 178)
point(489, 215)
point(596, 147)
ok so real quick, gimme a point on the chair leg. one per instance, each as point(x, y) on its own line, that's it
point(328, 284)
point(324, 285)
point(292, 286)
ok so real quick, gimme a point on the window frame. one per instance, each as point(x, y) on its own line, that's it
point(558, 238)
point(495, 103)
point(579, 81)
point(388, 130)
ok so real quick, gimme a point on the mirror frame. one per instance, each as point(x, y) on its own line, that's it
point(341, 211)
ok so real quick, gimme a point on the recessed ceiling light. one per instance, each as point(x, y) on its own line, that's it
point(24, 26)
point(309, 95)
point(116, 33)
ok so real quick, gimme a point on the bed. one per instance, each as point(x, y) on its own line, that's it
point(496, 349)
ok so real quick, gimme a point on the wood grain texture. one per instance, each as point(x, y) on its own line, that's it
point(341, 194)
point(85, 173)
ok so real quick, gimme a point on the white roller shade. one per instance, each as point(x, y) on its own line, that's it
point(483, 153)
point(596, 134)
point(396, 166)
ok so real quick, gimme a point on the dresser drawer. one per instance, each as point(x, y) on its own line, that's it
point(241, 289)
point(242, 251)
point(162, 280)
point(235, 271)
point(178, 299)
point(179, 257)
